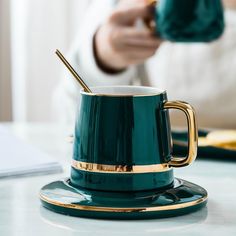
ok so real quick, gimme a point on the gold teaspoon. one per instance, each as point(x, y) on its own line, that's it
point(73, 72)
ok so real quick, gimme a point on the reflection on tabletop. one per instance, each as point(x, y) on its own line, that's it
point(83, 225)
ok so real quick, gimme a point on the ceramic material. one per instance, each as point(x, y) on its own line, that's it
point(123, 139)
point(189, 20)
point(122, 162)
point(182, 198)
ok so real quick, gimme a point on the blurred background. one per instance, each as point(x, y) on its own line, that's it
point(30, 31)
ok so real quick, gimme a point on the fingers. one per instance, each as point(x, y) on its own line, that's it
point(130, 36)
point(137, 54)
point(134, 32)
point(142, 43)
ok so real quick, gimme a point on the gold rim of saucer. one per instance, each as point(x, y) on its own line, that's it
point(123, 209)
point(119, 169)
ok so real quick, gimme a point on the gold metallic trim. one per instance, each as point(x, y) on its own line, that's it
point(73, 72)
point(116, 169)
point(192, 133)
point(203, 142)
point(123, 95)
point(125, 209)
point(152, 2)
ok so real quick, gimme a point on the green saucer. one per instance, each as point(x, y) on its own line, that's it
point(184, 197)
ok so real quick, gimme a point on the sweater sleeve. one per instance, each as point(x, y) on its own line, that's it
point(66, 97)
point(82, 53)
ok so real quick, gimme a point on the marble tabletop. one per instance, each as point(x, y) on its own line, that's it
point(22, 214)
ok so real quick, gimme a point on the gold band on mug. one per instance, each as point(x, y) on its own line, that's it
point(116, 169)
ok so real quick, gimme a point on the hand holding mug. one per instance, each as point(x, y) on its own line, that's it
point(119, 43)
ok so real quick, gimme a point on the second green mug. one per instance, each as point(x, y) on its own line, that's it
point(123, 139)
point(189, 20)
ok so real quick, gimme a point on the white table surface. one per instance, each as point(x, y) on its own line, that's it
point(22, 214)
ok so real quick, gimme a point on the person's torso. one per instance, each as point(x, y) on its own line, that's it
point(202, 74)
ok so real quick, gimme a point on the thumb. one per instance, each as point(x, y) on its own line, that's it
point(129, 13)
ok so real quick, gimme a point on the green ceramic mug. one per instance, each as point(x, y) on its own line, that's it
point(123, 139)
point(189, 20)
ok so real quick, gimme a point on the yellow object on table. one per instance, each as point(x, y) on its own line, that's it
point(220, 138)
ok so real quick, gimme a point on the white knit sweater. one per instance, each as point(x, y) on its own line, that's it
point(202, 74)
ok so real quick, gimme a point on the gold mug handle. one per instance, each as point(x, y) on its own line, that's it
point(192, 133)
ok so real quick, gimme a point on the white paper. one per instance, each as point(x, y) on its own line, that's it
point(19, 158)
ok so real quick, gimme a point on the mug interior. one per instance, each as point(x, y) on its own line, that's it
point(124, 91)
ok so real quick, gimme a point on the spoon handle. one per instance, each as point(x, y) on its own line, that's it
point(73, 72)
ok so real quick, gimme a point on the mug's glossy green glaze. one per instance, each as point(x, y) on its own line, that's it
point(122, 182)
point(122, 131)
point(189, 20)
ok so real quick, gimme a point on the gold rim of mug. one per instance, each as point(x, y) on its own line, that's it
point(119, 169)
point(123, 95)
point(123, 209)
